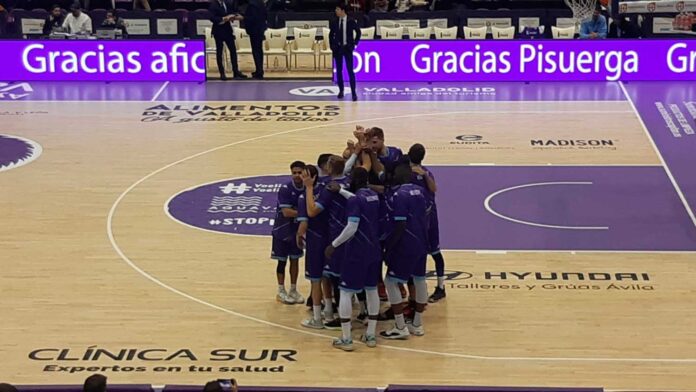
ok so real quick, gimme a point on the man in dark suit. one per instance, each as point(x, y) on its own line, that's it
point(255, 23)
point(223, 12)
point(344, 36)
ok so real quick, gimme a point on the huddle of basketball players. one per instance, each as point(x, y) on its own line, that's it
point(350, 214)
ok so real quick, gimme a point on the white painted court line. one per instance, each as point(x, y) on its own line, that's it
point(659, 154)
point(487, 206)
point(129, 262)
point(157, 94)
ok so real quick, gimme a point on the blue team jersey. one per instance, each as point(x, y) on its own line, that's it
point(286, 228)
point(364, 208)
point(391, 159)
point(333, 205)
point(408, 203)
point(317, 227)
point(419, 180)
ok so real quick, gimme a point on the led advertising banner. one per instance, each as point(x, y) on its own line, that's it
point(103, 60)
point(525, 60)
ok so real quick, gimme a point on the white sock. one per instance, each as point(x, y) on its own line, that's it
point(345, 309)
point(328, 309)
point(345, 328)
point(399, 319)
point(441, 282)
point(293, 287)
point(372, 310)
point(418, 319)
point(281, 288)
point(316, 310)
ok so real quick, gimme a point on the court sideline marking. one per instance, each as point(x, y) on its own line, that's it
point(161, 89)
point(659, 154)
point(129, 262)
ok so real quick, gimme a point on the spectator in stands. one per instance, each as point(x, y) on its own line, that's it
point(255, 23)
point(594, 27)
point(356, 5)
point(95, 383)
point(402, 5)
point(113, 21)
point(380, 6)
point(77, 22)
point(7, 388)
point(217, 386)
point(141, 5)
point(54, 20)
point(223, 12)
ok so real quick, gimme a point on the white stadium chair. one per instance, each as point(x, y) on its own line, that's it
point(542, 28)
point(503, 32)
point(475, 32)
point(304, 44)
point(422, 33)
point(367, 33)
point(391, 32)
point(445, 33)
point(242, 41)
point(276, 44)
point(563, 33)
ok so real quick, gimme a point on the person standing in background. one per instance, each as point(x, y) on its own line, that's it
point(344, 36)
point(223, 12)
point(255, 19)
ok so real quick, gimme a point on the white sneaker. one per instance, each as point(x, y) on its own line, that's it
point(369, 340)
point(345, 345)
point(296, 297)
point(417, 331)
point(283, 297)
point(395, 333)
point(312, 323)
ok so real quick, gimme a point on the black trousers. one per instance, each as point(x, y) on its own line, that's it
point(257, 52)
point(339, 55)
point(220, 41)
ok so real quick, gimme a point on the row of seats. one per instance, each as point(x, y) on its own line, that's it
point(306, 42)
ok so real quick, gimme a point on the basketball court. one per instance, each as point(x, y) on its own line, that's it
point(136, 220)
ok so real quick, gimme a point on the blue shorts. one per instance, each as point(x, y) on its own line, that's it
point(403, 266)
point(358, 275)
point(315, 260)
point(433, 232)
point(333, 265)
point(281, 250)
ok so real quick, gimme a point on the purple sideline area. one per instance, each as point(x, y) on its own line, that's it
point(391, 388)
point(311, 90)
point(675, 140)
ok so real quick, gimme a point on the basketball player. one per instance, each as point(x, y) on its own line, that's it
point(312, 235)
point(406, 252)
point(333, 205)
point(362, 263)
point(424, 178)
point(389, 157)
point(284, 232)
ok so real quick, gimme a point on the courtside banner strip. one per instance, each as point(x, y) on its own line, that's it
point(525, 60)
point(97, 60)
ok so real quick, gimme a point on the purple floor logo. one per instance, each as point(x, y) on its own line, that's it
point(16, 151)
point(237, 206)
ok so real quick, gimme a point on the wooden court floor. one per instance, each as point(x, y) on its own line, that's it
point(91, 262)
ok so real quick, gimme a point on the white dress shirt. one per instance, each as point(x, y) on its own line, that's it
point(81, 24)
